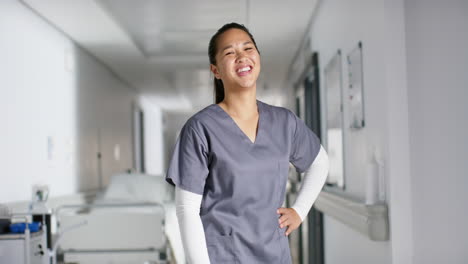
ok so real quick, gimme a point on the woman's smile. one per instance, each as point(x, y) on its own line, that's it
point(244, 70)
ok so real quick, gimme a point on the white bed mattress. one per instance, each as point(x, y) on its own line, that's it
point(132, 227)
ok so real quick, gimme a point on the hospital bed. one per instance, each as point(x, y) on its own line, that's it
point(132, 221)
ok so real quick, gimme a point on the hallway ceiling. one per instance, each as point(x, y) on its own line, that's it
point(159, 47)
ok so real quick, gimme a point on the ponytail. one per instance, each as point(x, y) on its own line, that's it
point(218, 90)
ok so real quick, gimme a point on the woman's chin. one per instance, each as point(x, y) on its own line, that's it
point(247, 84)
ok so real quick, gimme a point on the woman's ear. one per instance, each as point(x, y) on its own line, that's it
point(215, 72)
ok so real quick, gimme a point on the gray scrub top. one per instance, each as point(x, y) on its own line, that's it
point(243, 183)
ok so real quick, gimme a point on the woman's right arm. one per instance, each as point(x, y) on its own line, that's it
point(191, 227)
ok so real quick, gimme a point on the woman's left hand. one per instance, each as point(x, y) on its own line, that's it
point(289, 218)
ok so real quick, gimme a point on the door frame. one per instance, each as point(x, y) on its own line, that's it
point(313, 248)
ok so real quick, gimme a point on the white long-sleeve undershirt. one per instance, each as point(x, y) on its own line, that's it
point(191, 227)
point(314, 179)
point(188, 209)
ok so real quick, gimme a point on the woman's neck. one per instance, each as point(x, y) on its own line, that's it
point(241, 105)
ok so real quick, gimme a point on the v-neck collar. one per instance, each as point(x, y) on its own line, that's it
point(243, 135)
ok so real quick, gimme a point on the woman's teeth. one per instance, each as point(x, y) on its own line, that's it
point(244, 69)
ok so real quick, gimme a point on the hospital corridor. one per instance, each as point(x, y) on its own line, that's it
point(111, 110)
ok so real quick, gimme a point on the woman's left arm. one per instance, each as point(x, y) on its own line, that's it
point(314, 179)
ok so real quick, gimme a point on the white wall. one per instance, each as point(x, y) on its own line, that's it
point(59, 107)
point(437, 41)
point(415, 63)
point(379, 25)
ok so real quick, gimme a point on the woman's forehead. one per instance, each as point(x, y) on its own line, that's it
point(233, 37)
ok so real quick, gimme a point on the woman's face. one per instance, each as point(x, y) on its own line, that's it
point(237, 60)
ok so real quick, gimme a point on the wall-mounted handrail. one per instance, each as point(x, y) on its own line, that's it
point(370, 220)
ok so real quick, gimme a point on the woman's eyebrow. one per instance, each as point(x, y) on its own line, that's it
point(227, 47)
point(230, 46)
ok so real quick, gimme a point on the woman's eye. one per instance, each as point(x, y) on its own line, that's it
point(248, 48)
point(230, 52)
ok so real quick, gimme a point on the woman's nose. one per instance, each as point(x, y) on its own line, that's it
point(241, 57)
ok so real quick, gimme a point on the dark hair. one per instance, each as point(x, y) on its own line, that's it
point(213, 48)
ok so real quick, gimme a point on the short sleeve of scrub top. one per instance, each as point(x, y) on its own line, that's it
point(305, 146)
point(189, 164)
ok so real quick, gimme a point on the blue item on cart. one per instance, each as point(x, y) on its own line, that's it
point(21, 227)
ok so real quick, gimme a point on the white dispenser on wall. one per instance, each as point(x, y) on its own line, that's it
point(375, 180)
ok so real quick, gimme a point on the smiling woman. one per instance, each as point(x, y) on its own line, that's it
point(231, 160)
